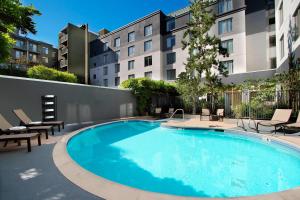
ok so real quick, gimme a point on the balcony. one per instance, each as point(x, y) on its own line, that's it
point(32, 49)
point(63, 63)
point(63, 38)
point(271, 27)
point(64, 50)
point(23, 47)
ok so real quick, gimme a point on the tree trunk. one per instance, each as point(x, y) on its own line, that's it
point(194, 106)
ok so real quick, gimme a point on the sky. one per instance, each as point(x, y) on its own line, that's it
point(109, 14)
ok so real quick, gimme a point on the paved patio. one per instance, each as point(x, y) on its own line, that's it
point(34, 176)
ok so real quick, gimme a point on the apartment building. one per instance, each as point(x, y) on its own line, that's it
point(151, 46)
point(28, 52)
point(71, 52)
point(287, 32)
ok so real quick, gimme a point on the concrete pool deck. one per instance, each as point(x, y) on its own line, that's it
point(35, 176)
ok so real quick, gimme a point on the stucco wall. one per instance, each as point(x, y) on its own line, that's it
point(76, 103)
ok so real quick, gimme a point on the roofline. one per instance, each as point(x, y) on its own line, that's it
point(32, 40)
point(70, 24)
point(132, 23)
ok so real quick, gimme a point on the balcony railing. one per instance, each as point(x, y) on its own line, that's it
point(63, 38)
point(271, 27)
point(64, 51)
point(63, 63)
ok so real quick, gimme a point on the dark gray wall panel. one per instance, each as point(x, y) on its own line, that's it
point(76, 103)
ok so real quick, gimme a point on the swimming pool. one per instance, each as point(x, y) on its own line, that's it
point(185, 162)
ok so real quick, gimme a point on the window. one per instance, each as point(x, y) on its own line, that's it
point(105, 83)
point(148, 30)
point(148, 61)
point(131, 37)
point(117, 42)
point(171, 41)
point(45, 60)
point(228, 44)
point(94, 76)
point(228, 65)
point(45, 50)
point(272, 41)
point(95, 64)
point(32, 47)
point(19, 54)
point(131, 76)
point(20, 43)
point(272, 21)
point(32, 57)
point(296, 24)
point(282, 47)
point(105, 59)
point(117, 55)
point(117, 81)
point(131, 65)
point(281, 14)
point(273, 63)
point(105, 46)
point(148, 45)
point(148, 74)
point(105, 70)
point(171, 58)
point(171, 24)
point(225, 26)
point(131, 51)
point(171, 74)
point(225, 6)
point(117, 68)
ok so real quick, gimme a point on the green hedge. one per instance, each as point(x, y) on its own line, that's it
point(144, 88)
point(13, 72)
point(42, 72)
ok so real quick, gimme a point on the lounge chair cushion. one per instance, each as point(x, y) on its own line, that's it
point(294, 125)
point(205, 112)
point(271, 123)
point(19, 136)
point(4, 124)
point(282, 115)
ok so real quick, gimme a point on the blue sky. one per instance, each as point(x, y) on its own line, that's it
point(98, 14)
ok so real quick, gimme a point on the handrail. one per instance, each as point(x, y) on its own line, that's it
point(176, 111)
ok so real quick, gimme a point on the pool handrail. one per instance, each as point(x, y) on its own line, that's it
point(175, 113)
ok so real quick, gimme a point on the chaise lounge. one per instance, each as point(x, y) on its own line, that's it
point(25, 120)
point(280, 117)
point(293, 126)
point(16, 134)
point(205, 113)
point(6, 127)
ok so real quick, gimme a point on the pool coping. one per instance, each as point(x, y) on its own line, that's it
point(107, 189)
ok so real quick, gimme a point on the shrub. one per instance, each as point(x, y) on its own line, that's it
point(42, 72)
point(144, 88)
point(13, 72)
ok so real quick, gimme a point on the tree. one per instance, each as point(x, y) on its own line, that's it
point(202, 67)
point(14, 16)
point(144, 89)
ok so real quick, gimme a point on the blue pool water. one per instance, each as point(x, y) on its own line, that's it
point(199, 163)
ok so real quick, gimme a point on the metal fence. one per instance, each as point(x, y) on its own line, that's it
point(260, 104)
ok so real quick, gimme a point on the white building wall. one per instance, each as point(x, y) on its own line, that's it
point(289, 9)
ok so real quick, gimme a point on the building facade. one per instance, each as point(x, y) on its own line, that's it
point(151, 46)
point(28, 52)
point(287, 32)
point(71, 52)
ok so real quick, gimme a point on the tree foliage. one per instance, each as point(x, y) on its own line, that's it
point(202, 68)
point(14, 16)
point(45, 73)
point(144, 88)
